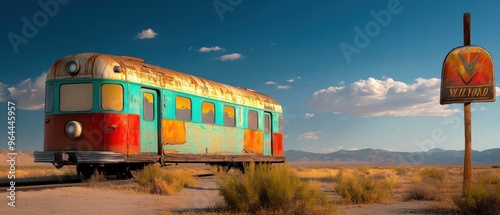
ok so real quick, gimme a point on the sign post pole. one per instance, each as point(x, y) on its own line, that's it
point(467, 119)
point(468, 76)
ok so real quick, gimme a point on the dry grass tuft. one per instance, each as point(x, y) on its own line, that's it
point(96, 179)
point(271, 189)
point(482, 197)
point(153, 180)
point(357, 187)
point(430, 184)
point(39, 171)
point(434, 173)
point(422, 191)
point(402, 171)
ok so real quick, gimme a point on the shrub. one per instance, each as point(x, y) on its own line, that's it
point(390, 183)
point(429, 185)
point(481, 197)
point(147, 175)
point(153, 180)
point(402, 171)
point(96, 179)
point(359, 188)
point(272, 188)
point(433, 173)
point(422, 191)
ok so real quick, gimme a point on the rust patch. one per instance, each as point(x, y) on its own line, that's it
point(93, 65)
point(278, 144)
point(253, 141)
point(173, 132)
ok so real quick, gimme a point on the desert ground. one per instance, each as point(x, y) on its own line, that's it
point(201, 198)
point(409, 190)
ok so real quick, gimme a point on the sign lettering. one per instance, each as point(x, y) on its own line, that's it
point(467, 76)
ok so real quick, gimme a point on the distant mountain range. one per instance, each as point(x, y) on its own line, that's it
point(382, 157)
point(368, 157)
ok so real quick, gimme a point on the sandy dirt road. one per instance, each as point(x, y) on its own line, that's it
point(196, 199)
point(101, 200)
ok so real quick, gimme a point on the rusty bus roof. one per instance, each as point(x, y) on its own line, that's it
point(131, 69)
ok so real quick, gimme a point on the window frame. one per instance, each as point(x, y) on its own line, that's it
point(204, 114)
point(267, 123)
point(250, 124)
point(102, 97)
point(227, 117)
point(49, 100)
point(148, 112)
point(177, 113)
point(62, 95)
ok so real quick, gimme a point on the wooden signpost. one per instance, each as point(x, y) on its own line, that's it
point(467, 76)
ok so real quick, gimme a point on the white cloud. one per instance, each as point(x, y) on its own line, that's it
point(209, 49)
point(308, 115)
point(291, 80)
point(146, 34)
point(313, 135)
point(28, 95)
point(372, 97)
point(190, 48)
point(230, 57)
point(283, 87)
point(270, 82)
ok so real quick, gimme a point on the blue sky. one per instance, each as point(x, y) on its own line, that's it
point(382, 92)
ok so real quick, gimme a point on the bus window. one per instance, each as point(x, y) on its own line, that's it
point(148, 106)
point(76, 97)
point(208, 112)
point(229, 116)
point(49, 98)
point(183, 108)
point(112, 97)
point(253, 120)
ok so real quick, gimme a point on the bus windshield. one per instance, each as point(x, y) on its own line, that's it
point(76, 97)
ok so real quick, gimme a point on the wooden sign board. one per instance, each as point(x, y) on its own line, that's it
point(467, 76)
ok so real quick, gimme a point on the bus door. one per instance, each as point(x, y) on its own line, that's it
point(267, 133)
point(149, 121)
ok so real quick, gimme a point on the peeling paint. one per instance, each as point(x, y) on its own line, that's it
point(203, 138)
point(278, 144)
point(101, 132)
point(173, 132)
point(253, 141)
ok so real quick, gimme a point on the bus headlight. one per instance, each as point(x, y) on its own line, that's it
point(72, 67)
point(74, 129)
